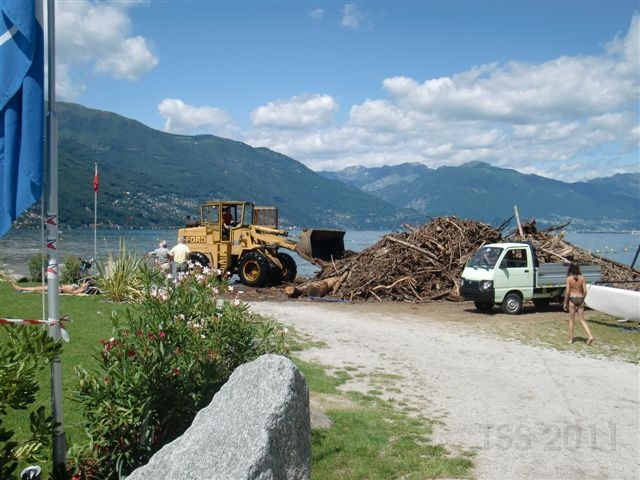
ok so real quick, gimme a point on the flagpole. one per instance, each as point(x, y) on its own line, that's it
point(95, 218)
point(59, 439)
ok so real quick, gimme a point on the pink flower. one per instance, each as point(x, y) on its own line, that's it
point(162, 335)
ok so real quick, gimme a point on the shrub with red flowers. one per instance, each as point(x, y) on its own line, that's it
point(167, 358)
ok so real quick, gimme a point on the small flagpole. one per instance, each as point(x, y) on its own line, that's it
point(59, 438)
point(95, 218)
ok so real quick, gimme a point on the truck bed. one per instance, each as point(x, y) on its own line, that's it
point(555, 274)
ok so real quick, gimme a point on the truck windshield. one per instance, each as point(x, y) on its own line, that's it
point(486, 257)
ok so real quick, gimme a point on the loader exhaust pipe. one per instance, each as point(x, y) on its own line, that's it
point(320, 244)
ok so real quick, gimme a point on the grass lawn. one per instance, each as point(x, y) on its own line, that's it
point(90, 322)
point(613, 339)
point(371, 438)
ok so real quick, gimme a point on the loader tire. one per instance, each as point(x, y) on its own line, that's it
point(289, 267)
point(253, 269)
point(275, 276)
point(200, 258)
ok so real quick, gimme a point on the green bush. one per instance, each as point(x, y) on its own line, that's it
point(36, 266)
point(167, 358)
point(71, 271)
point(121, 278)
point(27, 351)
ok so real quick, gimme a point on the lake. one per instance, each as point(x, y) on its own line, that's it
point(18, 246)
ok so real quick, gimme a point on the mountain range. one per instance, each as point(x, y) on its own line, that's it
point(480, 191)
point(153, 179)
point(149, 178)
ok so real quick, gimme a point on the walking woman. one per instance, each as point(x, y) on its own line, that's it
point(574, 300)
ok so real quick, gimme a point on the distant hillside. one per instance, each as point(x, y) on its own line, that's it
point(376, 178)
point(478, 190)
point(149, 178)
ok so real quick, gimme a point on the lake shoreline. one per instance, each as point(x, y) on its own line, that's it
point(19, 246)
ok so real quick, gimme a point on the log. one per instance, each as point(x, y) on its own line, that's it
point(339, 283)
point(410, 245)
point(515, 209)
point(378, 287)
point(293, 291)
point(323, 287)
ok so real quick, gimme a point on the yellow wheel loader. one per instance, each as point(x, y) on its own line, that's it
point(242, 238)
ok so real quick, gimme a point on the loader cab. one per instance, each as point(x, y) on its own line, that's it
point(214, 215)
point(210, 215)
point(236, 215)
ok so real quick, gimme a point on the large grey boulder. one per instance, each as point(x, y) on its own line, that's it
point(256, 427)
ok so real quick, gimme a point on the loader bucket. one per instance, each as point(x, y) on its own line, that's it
point(320, 244)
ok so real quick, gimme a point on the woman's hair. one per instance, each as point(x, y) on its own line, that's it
point(574, 269)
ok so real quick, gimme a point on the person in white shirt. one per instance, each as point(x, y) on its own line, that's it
point(180, 255)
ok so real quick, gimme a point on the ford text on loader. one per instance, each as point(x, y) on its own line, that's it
point(250, 243)
point(509, 274)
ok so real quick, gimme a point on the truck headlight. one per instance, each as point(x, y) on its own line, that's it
point(486, 285)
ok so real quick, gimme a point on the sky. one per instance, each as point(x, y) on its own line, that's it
point(546, 88)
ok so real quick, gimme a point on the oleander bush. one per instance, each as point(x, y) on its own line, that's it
point(23, 354)
point(166, 359)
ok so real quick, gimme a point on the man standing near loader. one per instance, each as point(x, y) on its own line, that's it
point(162, 257)
point(180, 255)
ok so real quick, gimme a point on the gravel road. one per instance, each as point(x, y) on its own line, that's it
point(530, 412)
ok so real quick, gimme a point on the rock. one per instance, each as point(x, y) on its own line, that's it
point(319, 420)
point(256, 427)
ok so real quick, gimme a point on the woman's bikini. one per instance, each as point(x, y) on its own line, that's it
point(577, 300)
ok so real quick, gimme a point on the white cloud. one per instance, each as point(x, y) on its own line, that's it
point(296, 112)
point(381, 115)
point(317, 13)
point(354, 18)
point(97, 36)
point(130, 62)
point(569, 118)
point(188, 119)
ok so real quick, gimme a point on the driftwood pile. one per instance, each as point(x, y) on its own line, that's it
point(554, 249)
point(426, 263)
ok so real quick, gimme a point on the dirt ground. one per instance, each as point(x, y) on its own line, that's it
point(528, 412)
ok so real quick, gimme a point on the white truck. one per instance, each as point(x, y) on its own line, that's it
point(509, 274)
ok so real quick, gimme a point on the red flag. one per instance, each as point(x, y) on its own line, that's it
point(95, 180)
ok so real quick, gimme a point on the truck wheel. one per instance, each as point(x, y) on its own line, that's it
point(483, 307)
point(253, 269)
point(200, 258)
point(289, 267)
point(512, 303)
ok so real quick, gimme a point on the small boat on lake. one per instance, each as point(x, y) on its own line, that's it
point(616, 302)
